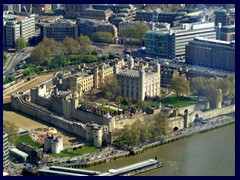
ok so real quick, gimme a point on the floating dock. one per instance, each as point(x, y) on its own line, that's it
point(134, 168)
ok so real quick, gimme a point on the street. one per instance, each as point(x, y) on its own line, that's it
point(14, 59)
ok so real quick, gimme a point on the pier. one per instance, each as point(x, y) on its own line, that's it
point(129, 170)
point(63, 171)
point(133, 169)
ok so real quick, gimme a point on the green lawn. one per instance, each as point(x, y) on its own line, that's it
point(82, 58)
point(28, 140)
point(170, 100)
point(81, 101)
point(182, 101)
point(108, 109)
point(72, 153)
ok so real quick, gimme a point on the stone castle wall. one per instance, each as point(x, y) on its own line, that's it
point(212, 113)
point(86, 117)
point(46, 116)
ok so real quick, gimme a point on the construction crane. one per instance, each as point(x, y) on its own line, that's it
point(26, 11)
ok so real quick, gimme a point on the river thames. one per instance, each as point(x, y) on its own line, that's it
point(207, 154)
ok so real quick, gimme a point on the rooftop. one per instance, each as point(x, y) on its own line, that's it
point(212, 40)
point(20, 153)
point(131, 72)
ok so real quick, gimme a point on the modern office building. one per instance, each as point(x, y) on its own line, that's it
point(56, 6)
point(42, 8)
point(226, 33)
point(15, 26)
point(155, 16)
point(121, 12)
point(96, 14)
point(12, 7)
point(27, 26)
point(75, 7)
point(5, 150)
point(170, 43)
point(116, 8)
point(225, 17)
point(139, 82)
point(211, 53)
point(60, 29)
point(89, 27)
point(73, 10)
point(11, 31)
point(175, 18)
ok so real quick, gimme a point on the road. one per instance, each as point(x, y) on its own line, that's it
point(14, 59)
point(176, 64)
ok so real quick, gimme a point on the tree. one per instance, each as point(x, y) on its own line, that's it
point(103, 37)
point(161, 122)
point(135, 31)
point(210, 88)
point(142, 104)
point(110, 87)
point(21, 42)
point(119, 99)
point(11, 130)
point(197, 85)
point(85, 45)
point(70, 45)
point(51, 44)
point(227, 85)
point(41, 55)
point(180, 85)
point(213, 95)
point(151, 127)
point(231, 89)
point(145, 133)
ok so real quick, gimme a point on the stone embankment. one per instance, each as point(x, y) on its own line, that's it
point(104, 155)
point(110, 153)
point(211, 124)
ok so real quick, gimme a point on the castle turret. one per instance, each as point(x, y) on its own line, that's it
point(47, 143)
point(34, 94)
point(186, 118)
point(158, 68)
point(67, 108)
point(57, 145)
point(97, 135)
point(130, 62)
point(95, 77)
point(115, 69)
point(75, 100)
point(88, 132)
point(142, 81)
point(158, 79)
point(217, 103)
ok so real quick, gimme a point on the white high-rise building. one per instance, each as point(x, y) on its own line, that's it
point(15, 26)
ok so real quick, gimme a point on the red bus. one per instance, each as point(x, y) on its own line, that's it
point(13, 50)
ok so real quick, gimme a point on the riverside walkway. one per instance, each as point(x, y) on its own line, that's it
point(110, 153)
